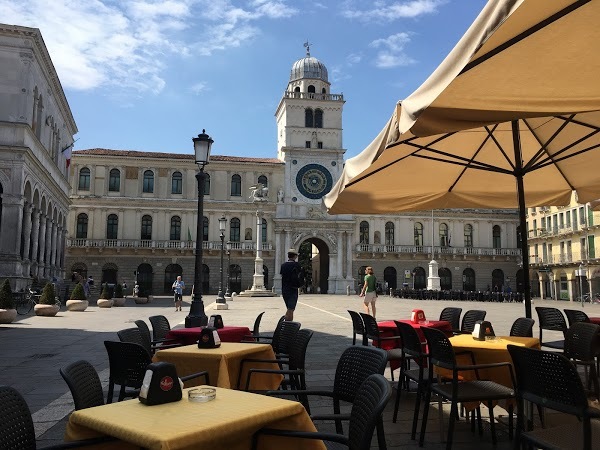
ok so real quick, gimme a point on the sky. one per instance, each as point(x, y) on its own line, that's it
point(149, 75)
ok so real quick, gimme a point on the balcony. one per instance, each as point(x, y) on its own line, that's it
point(156, 244)
point(314, 96)
point(426, 250)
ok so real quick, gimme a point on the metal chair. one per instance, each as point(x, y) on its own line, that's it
point(551, 319)
point(358, 327)
point(84, 384)
point(372, 330)
point(550, 380)
point(575, 315)
point(369, 402)
point(469, 319)
point(522, 327)
point(451, 315)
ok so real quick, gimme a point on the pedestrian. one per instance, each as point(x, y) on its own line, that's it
point(125, 288)
point(178, 287)
point(369, 291)
point(136, 290)
point(292, 278)
point(90, 280)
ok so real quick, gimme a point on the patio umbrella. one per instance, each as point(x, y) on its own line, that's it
point(510, 119)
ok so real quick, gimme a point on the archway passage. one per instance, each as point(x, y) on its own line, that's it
point(109, 273)
point(172, 271)
point(314, 258)
point(144, 279)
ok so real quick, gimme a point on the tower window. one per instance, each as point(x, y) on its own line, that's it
point(308, 118)
point(319, 118)
point(307, 144)
point(319, 145)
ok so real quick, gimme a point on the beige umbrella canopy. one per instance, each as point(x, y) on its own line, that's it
point(511, 118)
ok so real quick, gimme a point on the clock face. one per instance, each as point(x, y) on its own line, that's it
point(314, 181)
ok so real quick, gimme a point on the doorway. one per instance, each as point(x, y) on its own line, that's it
point(313, 256)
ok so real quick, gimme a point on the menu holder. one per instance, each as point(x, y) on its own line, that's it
point(417, 316)
point(209, 338)
point(160, 385)
point(482, 329)
point(216, 321)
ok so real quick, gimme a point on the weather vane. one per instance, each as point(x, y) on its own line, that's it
point(307, 46)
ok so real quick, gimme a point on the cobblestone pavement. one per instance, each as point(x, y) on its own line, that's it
point(34, 348)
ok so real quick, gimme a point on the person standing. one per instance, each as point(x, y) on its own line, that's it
point(292, 278)
point(178, 287)
point(369, 291)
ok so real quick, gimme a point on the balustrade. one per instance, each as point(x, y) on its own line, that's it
point(161, 244)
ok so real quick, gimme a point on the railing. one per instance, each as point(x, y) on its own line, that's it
point(418, 249)
point(156, 244)
point(565, 258)
point(314, 96)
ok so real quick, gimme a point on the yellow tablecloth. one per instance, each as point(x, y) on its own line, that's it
point(223, 364)
point(226, 423)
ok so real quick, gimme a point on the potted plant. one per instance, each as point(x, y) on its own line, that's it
point(7, 303)
point(78, 300)
point(105, 301)
point(119, 299)
point(47, 305)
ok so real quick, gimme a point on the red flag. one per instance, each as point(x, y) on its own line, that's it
point(67, 153)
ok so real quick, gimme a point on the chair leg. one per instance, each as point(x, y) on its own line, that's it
point(479, 422)
point(381, 434)
point(453, 416)
point(397, 402)
point(122, 393)
point(354, 338)
point(492, 422)
point(425, 414)
point(413, 433)
point(111, 389)
point(391, 371)
point(510, 422)
point(338, 423)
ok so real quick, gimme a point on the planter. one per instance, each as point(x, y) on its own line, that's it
point(45, 310)
point(104, 303)
point(77, 305)
point(141, 300)
point(119, 301)
point(7, 315)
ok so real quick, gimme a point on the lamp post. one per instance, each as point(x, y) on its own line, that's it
point(228, 292)
point(222, 224)
point(581, 272)
point(196, 316)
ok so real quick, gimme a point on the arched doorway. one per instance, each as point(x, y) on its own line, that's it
point(390, 277)
point(497, 280)
point(109, 273)
point(314, 258)
point(419, 278)
point(445, 278)
point(468, 280)
point(79, 268)
point(144, 279)
point(235, 278)
point(266, 275)
point(172, 271)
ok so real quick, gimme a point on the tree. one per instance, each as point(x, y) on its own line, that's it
point(48, 297)
point(6, 297)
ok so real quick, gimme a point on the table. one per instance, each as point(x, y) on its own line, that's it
point(188, 336)
point(226, 423)
point(223, 364)
point(595, 320)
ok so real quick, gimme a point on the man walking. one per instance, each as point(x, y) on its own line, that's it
point(178, 287)
point(292, 278)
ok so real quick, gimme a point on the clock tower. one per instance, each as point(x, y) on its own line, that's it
point(309, 142)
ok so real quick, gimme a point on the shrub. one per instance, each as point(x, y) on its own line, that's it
point(105, 294)
point(78, 292)
point(48, 297)
point(6, 297)
point(119, 291)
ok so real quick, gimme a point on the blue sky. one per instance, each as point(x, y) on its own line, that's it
point(151, 74)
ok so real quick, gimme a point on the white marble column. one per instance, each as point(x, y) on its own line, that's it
point(42, 245)
point(47, 254)
point(340, 251)
point(349, 251)
point(277, 252)
point(288, 241)
point(12, 217)
point(53, 245)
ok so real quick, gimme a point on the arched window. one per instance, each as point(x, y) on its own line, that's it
point(148, 184)
point(236, 185)
point(364, 232)
point(497, 280)
point(206, 184)
point(144, 279)
point(468, 235)
point(444, 235)
point(112, 226)
point(308, 118)
point(297, 89)
point(263, 180)
point(82, 226)
point(323, 91)
point(84, 179)
point(205, 229)
point(468, 280)
point(389, 277)
point(177, 183)
point(114, 180)
point(389, 233)
point(311, 89)
point(318, 118)
point(496, 240)
point(445, 278)
point(264, 231)
point(234, 230)
point(420, 279)
point(175, 233)
point(146, 234)
point(418, 234)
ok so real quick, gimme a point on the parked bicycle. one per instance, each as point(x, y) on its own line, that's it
point(588, 298)
point(29, 300)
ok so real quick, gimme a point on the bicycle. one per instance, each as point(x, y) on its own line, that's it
point(29, 300)
point(588, 298)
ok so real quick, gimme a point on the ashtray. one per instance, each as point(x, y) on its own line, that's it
point(202, 395)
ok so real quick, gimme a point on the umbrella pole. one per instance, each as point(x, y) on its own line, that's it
point(522, 218)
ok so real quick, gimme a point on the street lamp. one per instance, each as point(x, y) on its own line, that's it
point(228, 292)
point(197, 317)
point(222, 224)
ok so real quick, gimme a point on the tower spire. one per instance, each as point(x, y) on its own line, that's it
point(307, 46)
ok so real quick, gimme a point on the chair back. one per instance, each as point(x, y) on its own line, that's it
point(551, 319)
point(84, 384)
point(451, 315)
point(355, 365)
point(371, 327)
point(411, 343)
point(441, 352)
point(548, 379)
point(282, 340)
point(16, 425)
point(127, 363)
point(575, 315)
point(522, 327)
point(298, 349)
point(357, 323)
point(136, 336)
point(581, 341)
point(256, 326)
point(160, 327)
point(470, 318)
point(368, 405)
point(145, 330)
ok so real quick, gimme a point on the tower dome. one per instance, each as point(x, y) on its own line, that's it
point(308, 67)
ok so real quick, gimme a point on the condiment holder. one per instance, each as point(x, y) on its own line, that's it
point(202, 395)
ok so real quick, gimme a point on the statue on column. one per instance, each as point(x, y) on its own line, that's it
point(258, 193)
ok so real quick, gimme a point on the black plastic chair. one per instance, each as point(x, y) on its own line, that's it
point(16, 425)
point(582, 348)
point(469, 320)
point(358, 327)
point(575, 315)
point(372, 330)
point(551, 319)
point(369, 402)
point(522, 327)
point(84, 384)
point(441, 354)
point(151, 345)
point(160, 327)
point(550, 380)
point(255, 328)
point(452, 315)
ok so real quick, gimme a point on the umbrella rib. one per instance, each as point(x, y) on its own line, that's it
point(555, 158)
point(480, 166)
point(539, 26)
point(544, 146)
point(454, 159)
point(579, 152)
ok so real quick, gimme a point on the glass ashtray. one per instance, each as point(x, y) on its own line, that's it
point(202, 395)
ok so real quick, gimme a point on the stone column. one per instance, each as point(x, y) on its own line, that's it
point(276, 275)
point(47, 254)
point(349, 251)
point(35, 232)
point(340, 251)
point(288, 241)
point(42, 245)
point(27, 230)
point(63, 246)
point(12, 218)
point(53, 245)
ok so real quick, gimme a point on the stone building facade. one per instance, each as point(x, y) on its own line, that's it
point(36, 126)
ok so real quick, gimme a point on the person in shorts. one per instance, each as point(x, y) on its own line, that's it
point(369, 291)
point(178, 287)
point(289, 286)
